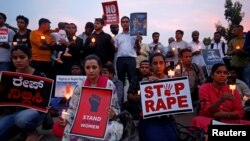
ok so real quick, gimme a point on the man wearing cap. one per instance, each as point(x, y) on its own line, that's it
point(42, 42)
point(89, 28)
point(100, 43)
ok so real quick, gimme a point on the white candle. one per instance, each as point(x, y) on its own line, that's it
point(43, 37)
point(113, 36)
point(232, 88)
point(139, 92)
point(171, 73)
point(14, 43)
point(93, 40)
point(178, 67)
point(65, 115)
point(74, 38)
point(158, 51)
point(173, 48)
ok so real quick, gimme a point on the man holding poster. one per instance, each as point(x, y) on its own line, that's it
point(160, 98)
point(91, 121)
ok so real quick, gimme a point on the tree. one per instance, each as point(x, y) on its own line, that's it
point(234, 17)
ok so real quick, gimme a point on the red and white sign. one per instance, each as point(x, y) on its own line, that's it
point(165, 97)
point(111, 12)
point(91, 117)
point(3, 35)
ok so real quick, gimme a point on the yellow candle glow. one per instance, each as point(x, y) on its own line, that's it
point(232, 88)
point(14, 43)
point(158, 51)
point(238, 47)
point(173, 48)
point(43, 37)
point(93, 40)
point(171, 73)
point(139, 92)
point(178, 67)
point(74, 38)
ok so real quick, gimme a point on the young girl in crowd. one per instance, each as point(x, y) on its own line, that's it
point(22, 119)
point(157, 128)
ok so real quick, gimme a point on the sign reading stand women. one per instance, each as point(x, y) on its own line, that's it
point(170, 96)
point(91, 115)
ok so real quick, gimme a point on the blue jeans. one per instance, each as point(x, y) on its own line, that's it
point(25, 120)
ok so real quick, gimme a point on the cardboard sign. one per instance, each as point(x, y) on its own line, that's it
point(91, 116)
point(211, 57)
point(65, 85)
point(170, 96)
point(138, 24)
point(18, 89)
point(111, 12)
point(3, 35)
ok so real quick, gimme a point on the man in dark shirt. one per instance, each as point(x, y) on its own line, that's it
point(100, 43)
point(133, 105)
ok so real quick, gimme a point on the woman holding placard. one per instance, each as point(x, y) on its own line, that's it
point(92, 66)
point(24, 120)
point(159, 128)
point(218, 100)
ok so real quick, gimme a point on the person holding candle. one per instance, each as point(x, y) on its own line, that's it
point(20, 119)
point(217, 100)
point(42, 42)
point(159, 128)
point(100, 43)
point(92, 66)
point(239, 56)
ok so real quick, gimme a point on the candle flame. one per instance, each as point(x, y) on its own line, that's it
point(93, 40)
point(43, 37)
point(74, 37)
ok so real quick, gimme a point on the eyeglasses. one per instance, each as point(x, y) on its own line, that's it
point(125, 21)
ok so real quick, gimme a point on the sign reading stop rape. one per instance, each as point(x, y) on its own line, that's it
point(4, 35)
point(110, 10)
point(165, 97)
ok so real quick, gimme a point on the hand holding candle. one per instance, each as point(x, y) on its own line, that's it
point(139, 92)
point(14, 43)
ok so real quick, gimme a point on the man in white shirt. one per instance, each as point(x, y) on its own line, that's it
point(196, 47)
point(127, 48)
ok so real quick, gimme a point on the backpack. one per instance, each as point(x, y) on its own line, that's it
point(223, 47)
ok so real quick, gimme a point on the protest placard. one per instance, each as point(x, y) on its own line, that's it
point(31, 91)
point(111, 12)
point(164, 97)
point(91, 115)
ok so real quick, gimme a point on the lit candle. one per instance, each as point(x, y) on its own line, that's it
point(43, 37)
point(93, 40)
point(158, 51)
point(178, 67)
point(244, 98)
point(113, 36)
point(171, 73)
point(74, 38)
point(139, 92)
point(232, 87)
point(238, 47)
point(14, 43)
point(173, 48)
point(65, 115)
point(67, 96)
